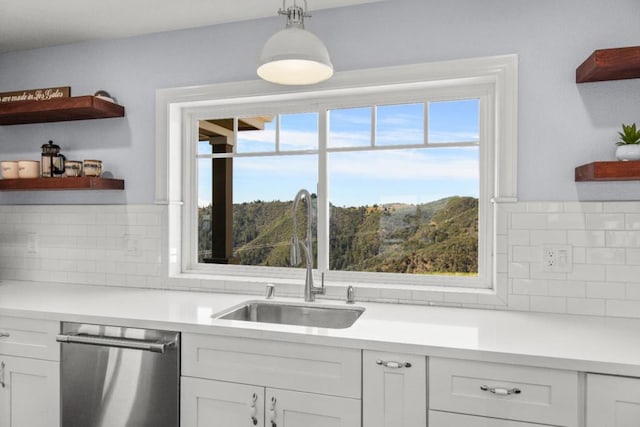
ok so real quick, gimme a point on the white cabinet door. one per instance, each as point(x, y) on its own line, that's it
point(207, 403)
point(286, 408)
point(613, 401)
point(394, 390)
point(30, 396)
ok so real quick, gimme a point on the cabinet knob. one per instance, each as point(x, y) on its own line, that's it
point(501, 391)
point(392, 364)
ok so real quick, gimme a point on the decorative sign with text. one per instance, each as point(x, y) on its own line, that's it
point(36, 94)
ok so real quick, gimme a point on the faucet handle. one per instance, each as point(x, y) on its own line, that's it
point(351, 298)
point(270, 291)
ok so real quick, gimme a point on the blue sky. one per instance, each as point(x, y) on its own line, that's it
point(362, 177)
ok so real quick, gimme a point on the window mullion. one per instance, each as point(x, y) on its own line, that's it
point(277, 137)
point(374, 126)
point(323, 191)
point(426, 123)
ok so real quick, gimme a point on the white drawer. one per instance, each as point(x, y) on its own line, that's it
point(447, 419)
point(317, 369)
point(546, 396)
point(29, 338)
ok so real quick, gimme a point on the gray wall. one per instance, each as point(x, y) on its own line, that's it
point(561, 124)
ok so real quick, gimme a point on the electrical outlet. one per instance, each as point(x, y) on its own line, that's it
point(557, 258)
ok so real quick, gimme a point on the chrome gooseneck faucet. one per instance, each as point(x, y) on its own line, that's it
point(309, 290)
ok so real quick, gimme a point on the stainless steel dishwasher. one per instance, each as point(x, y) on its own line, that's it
point(119, 377)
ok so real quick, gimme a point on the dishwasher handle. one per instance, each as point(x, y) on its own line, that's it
point(152, 346)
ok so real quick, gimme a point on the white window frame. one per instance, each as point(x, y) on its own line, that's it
point(493, 79)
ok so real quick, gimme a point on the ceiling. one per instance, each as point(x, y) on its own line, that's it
point(29, 24)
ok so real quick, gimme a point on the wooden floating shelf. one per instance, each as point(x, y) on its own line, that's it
point(609, 171)
point(67, 183)
point(610, 64)
point(58, 110)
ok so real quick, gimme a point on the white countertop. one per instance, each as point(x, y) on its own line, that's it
point(592, 344)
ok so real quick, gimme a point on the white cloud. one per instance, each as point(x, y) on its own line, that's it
point(402, 165)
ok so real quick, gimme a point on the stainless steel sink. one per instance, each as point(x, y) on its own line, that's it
point(319, 316)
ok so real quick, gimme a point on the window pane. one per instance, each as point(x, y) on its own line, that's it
point(256, 134)
point(405, 211)
point(350, 127)
point(454, 121)
point(204, 147)
point(400, 124)
point(257, 228)
point(204, 210)
point(299, 132)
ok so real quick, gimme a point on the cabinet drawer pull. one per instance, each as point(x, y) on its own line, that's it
point(272, 412)
point(5, 334)
point(391, 364)
point(501, 391)
point(252, 409)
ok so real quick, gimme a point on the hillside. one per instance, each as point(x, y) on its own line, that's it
point(436, 237)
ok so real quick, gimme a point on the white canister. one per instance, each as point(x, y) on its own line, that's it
point(28, 169)
point(9, 169)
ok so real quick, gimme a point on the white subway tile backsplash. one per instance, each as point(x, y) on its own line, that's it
point(587, 238)
point(519, 270)
point(632, 291)
point(549, 304)
point(623, 273)
point(579, 255)
point(587, 272)
point(582, 207)
point(530, 287)
point(566, 221)
point(539, 207)
point(123, 245)
point(606, 255)
point(622, 207)
point(565, 288)
point(537, 272)
point(605, 221)
point(633, 256)
point(519, 302)
point(622, 239)
point(518, 237)
point(622, 308)
point(606, 290)
point(529, 221)
point(542, 237)
point(632, 221)
point(526, 254)
point(593, 307)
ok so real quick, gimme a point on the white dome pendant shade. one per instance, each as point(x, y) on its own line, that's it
point(294, 56)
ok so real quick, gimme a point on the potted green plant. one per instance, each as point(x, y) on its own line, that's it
point(628, 143)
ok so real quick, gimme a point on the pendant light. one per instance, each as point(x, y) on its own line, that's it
point(294, 56)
